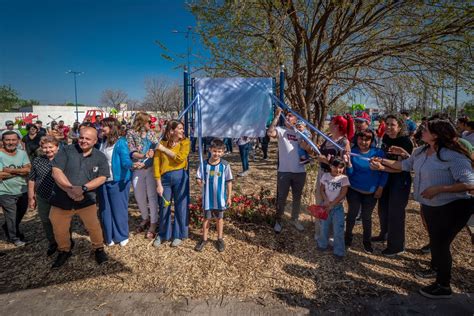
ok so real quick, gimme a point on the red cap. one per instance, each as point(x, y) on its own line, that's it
point(363, 116)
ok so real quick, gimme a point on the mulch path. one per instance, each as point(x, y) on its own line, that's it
point(257, 264)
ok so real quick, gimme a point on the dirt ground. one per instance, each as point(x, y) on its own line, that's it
point(258, 266)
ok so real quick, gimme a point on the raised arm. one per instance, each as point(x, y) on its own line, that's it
point(272, 129)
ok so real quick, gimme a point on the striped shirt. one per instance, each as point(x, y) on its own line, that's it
point(430, 171)
point(215, 184)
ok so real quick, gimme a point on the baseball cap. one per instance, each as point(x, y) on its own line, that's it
point(9, 122)
point(300, 122)
point(363, 116)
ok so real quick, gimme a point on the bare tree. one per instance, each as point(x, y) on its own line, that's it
point(113, 98)
point(162, 96)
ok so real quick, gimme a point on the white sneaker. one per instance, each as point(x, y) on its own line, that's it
point(123, 243)
point(298, 225)
point(111, 244)
point(331, 242)
point(277, 228)
point(243, 174)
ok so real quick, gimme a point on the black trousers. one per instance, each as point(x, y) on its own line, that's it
point(366, 204)
point(444, 223)
point(391, 210)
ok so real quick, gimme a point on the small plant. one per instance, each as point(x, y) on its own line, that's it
point(255, 208)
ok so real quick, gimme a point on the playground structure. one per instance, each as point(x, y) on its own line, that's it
point(228, 112)
point(92, 114)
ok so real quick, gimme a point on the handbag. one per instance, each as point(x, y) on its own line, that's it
point(318, 211)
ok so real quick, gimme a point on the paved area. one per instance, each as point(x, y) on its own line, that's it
point(54, 302)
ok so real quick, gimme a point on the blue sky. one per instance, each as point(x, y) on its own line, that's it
point(112, 42)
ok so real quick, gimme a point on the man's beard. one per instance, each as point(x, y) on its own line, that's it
point(10, 150)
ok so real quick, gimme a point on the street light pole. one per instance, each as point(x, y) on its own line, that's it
point(187, 35)
point(75, 73)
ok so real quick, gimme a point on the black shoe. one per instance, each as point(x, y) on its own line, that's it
point(358, 220)
point(322, 249)
point(100, 256)
point(200, 246)
point(377, 239)
point(347, 241)
point(338, 258)
point(426, 249)
point(220, 245)
point(51, 250)
point(426, 274)
point(61, 259)
point(368, 248)
point(436, 291)
point(390, 253)
point(2, 254)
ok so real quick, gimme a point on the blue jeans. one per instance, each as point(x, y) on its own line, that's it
point(244, 156)
point(336, 219)
point(228, 144)
point(176, 189)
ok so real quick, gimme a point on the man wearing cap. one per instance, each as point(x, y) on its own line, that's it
point(291, 174)
point(78, 169)
point(14, 167)
point(9, 125)
point(361, 124)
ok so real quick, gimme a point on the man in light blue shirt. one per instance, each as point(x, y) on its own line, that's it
point(14, 167)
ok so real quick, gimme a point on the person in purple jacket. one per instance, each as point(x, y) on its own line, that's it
point(366, 187)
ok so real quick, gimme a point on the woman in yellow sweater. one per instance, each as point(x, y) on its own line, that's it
point(170, 164)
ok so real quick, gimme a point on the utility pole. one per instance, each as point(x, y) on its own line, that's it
point(75, 73)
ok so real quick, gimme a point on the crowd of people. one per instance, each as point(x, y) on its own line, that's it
point(66, 171)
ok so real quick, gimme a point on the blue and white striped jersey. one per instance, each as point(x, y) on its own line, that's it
point(215, 184)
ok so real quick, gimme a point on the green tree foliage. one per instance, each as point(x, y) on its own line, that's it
point(332, 47)
point(8, 98)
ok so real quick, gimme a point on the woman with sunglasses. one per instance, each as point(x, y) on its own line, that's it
point(443, 175)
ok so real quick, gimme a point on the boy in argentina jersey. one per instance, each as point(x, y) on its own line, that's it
point(216, 184)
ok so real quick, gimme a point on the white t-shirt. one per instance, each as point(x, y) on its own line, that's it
point(108, 151)
point(288, 158)
point(333, 185)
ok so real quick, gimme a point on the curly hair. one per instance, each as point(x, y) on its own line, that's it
point(48, 139)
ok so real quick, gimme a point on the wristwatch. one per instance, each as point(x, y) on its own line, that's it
point(84, 188)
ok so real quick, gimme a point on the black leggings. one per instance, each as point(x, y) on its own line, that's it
point(444, 223)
